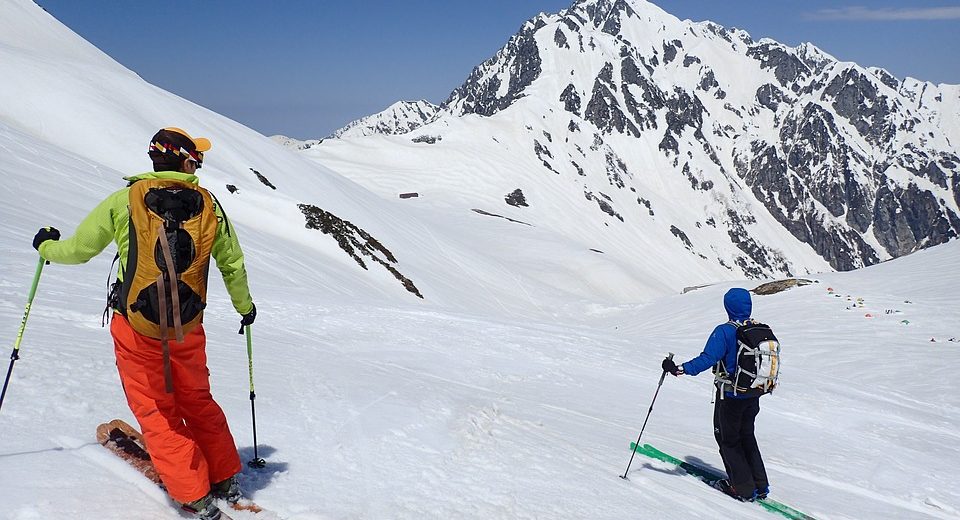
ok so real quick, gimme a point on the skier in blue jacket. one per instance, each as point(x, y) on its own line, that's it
point(733, 415)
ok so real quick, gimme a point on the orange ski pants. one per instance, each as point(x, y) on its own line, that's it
point(185, 431)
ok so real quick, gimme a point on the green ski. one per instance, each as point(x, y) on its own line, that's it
point(708, 475)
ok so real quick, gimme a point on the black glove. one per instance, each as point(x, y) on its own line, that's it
point(669, 366)
point(47, 233)
point(248, 318)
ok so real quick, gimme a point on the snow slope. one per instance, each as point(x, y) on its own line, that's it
point(511, 391)
point(368, 411)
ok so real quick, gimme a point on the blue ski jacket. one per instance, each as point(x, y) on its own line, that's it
point(722, 343)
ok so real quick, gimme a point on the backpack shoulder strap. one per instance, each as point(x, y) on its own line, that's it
point(721, 376)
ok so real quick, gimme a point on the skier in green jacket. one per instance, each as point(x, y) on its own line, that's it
point(167, 384)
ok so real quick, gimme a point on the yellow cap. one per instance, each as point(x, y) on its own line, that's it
point(202, 144)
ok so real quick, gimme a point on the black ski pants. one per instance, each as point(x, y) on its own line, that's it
point(733, 421)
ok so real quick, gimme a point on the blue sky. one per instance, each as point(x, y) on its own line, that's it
point(305, 68)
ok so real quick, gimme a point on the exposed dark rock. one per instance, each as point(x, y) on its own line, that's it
point(670, 50)
point(922, 164)
point(541, 150)
point(603, 110)
point(786, 198)
point(579, 169)
point(645, 203)
point(520, 59)
point(728, 106)
point(690, 60)
point(708, 80)
point(682, 236)
point(779, 286)
point(355, 242)
point(856, 98)
point(629, 72)
point(815, 60)
point(516, 198)
point(761, 259)
point(819, 154)
point(231, 188)
point(263, 179)
point(695, 182)
point(606, 74)
point(684, 110)
point(669, 144)
point(956, 187)
point(719, 31)
point(616, 169)
point(605, 205)
point(652, 98)
point(487, 213)
point(887, 79)
point(606, 14)
point(770, 96)
point(787, 67)
point(428, 139)
point(560, 39)
point(908, 219)
point(571, 100)
point(571, 24)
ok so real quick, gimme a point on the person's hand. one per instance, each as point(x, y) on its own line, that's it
point(671, 367)
point(248, 318)
point(47, 233)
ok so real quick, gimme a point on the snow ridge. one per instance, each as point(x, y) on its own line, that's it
point(399, 118)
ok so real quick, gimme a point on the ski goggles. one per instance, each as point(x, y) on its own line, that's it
point(196, 156)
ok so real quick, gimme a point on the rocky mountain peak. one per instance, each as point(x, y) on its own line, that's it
point(399, 118)
point(851, 162)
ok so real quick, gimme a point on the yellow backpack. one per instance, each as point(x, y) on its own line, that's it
point(172, 229)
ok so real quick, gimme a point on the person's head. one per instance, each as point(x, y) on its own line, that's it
point(737, 303)
point(172, 149)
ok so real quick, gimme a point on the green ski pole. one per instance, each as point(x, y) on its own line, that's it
point(15, 355)
point(256, 461)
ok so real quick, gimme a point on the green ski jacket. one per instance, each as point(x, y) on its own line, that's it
point(110, 222)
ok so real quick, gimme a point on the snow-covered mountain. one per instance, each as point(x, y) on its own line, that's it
point(296, 144)
point(399, 118)
point(321, 224)
point(510, 390)
point(746, 154)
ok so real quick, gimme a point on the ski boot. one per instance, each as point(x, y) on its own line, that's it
point(761, 493)
point(228, 490)
point(723, 485)
point(203, 509)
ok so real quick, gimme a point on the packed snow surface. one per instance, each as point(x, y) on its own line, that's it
point(392, 411)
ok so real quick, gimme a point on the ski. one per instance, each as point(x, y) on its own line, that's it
point(126, 442)
point(707, 476)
